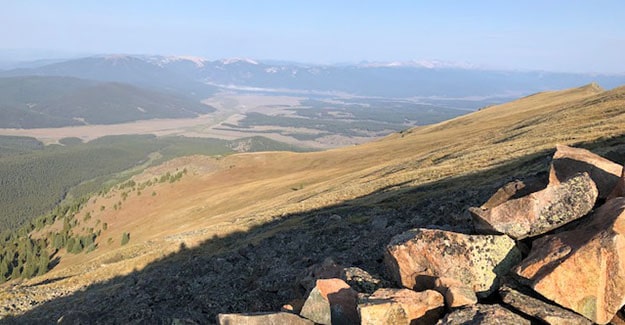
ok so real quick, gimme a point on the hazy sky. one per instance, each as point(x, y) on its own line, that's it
point(569, 35)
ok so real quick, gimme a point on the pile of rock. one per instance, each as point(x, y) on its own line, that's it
point(541, 251)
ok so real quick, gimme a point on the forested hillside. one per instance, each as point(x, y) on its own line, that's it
point(37, 102)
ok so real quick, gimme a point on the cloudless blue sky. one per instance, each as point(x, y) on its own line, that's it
point(575, 36)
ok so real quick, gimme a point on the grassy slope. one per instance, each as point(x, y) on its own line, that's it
point(34, 180)
point(238, 192)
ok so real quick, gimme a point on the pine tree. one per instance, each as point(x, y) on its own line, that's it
point(125, 238)
point(4, 270)
point(15, 273)
point(44, 261)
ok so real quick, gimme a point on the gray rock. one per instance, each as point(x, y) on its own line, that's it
point(550, 314)
point(262, 319)
point(361, 281)
point(379, 223)
point(328, 269)
point(483, 315)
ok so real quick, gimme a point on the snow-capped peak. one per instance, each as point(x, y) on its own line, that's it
point(428, 64)
point(198, 61)
point(237, 60)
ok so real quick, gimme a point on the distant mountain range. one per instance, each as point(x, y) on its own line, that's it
point(199, 78)
point(34, 101)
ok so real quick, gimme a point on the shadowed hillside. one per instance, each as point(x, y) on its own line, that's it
point(240, 233)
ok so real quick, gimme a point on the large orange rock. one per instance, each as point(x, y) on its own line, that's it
point(538, 212)
point(568, 161)
point(401, 306)
point(331, 301)
point(417, 257)
point(583, 269)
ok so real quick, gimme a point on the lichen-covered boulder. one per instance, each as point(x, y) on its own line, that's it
point(417, 257)
point(401, 306)
point(583, 269)
point(538, 212)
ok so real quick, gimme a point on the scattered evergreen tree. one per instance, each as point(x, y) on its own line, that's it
point(125, 238)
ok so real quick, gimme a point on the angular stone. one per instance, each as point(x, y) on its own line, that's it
point(417, 257)
point(619, 188)
point(583, 269)
point(262, 319)
point(455, 293)
point(361, 281)
point(328, 269)
point(536, 308)
point(484, 315)
point(294, 306)
point(539, 212)
point(459, 297)
point(515, 190)
point(401, 306)
point(568, 161)
point(331, 301)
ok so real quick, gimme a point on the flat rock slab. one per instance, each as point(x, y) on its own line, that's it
point(548, 313)
point(568, 161)
point(417, 257)
point(538, 212)
point(483, 315)
point(583, 269)
point(401, 306)
point(516, 189)
point(262, 319)
point(331, 301)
